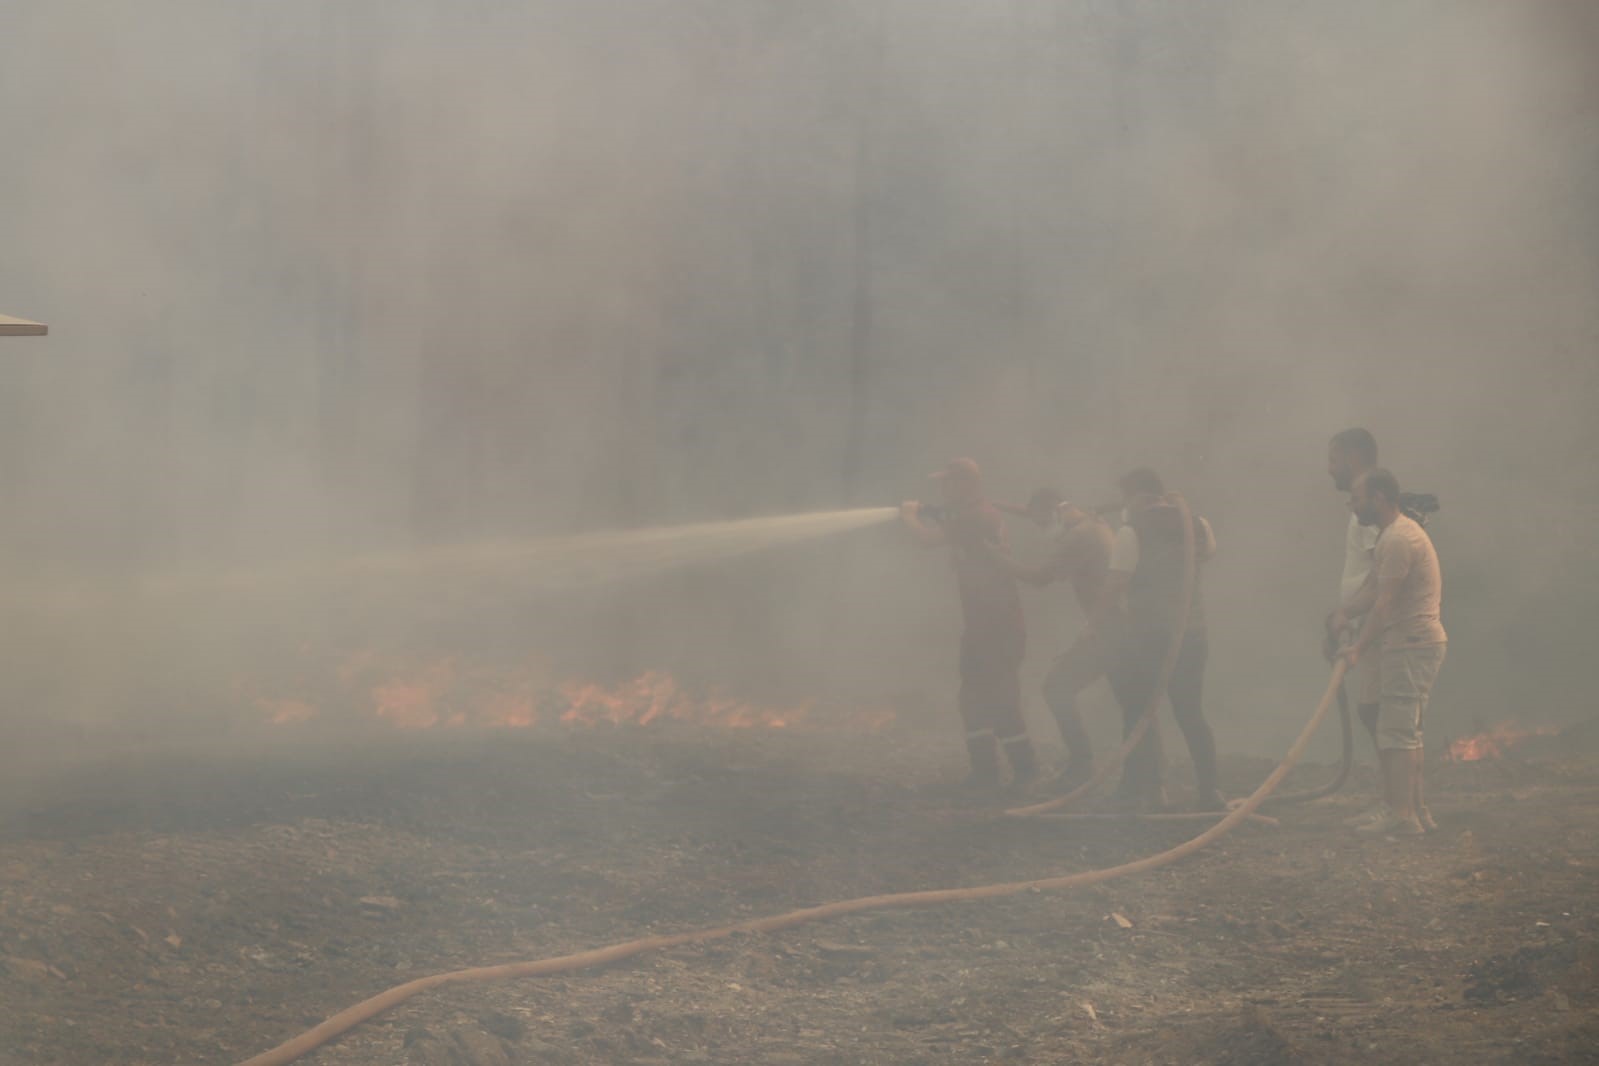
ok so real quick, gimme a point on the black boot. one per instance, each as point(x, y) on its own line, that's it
point(1023, 763)
point(983, 751)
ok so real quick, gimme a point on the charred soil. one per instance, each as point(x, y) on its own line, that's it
point(203, 909)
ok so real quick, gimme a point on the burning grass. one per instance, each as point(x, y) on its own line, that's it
point(455, 692)
point(1496, 742)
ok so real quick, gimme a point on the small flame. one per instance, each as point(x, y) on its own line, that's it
point(1495, 742)
point(286, 712)
point(654, 696)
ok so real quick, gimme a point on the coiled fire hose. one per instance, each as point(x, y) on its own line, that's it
point(347, 1019)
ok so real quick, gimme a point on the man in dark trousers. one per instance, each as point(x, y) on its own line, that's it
point(1142, 603)
point(1080, 546)
point(994, 636)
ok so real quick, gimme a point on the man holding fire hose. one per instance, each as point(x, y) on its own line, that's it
point(1142, 603)
point(1401, 601)
point(1080, 553)
point(1350, 454)
point(994, 635)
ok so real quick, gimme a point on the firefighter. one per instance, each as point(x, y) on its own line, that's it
point(994, 635)
point(1080, 547)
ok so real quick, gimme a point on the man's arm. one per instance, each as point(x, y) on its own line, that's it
point(1044, 573)
point(1358, 604)
point(1389, 569)
point(1387, 590)
point(928, 536)
point(1039, 576)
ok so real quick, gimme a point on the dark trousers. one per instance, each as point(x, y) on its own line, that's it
point(991, 699)
point(1134, 673)
point(991, 685)
point(1074, 669)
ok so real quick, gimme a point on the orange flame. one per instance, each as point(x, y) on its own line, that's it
point(653, 696)
point(415, 704)
point(1493, 743)
point(450, 693)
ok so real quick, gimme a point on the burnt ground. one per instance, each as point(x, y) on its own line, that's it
point(201, 909)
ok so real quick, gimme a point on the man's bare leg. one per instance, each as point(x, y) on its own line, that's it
point(1398, 779)
point(1404, 799)
point(1367, 713)
point(1418, 803)
point(1388, 767)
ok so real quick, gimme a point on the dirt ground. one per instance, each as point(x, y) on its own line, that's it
point(201, 909)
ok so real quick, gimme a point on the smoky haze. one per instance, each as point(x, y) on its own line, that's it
point(327, 280)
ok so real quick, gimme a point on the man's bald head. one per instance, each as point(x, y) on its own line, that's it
point(1374, 497)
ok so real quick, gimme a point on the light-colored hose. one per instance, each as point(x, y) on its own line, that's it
point(350, 1017)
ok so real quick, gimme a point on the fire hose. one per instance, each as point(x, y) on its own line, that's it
point(347, 1019)
point(350, 1017)
point(1346, 730)
point(1347, 762)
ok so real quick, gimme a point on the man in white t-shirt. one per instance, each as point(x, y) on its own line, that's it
point(1402, 603)
point(1350, 454)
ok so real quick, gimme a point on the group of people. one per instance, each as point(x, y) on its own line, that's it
point(1139, 585)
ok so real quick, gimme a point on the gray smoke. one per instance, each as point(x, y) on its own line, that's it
point(328, 280)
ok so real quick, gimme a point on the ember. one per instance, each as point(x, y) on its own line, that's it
point(1495, 742)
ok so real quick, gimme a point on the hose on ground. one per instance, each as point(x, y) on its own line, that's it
point(350, 1017)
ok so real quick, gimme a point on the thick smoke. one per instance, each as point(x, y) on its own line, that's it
point(333, 279)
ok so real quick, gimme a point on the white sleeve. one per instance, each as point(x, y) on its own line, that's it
point(1124, 553)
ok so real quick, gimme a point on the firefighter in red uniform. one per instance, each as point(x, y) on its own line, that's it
point(994, 636)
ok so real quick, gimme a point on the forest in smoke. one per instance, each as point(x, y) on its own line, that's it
point(336, 278)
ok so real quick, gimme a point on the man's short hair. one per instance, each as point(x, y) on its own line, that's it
point(1380, 482)
point(1142, 481)
point(1359, 443)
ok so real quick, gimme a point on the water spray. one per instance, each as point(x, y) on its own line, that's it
point(549, 564)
